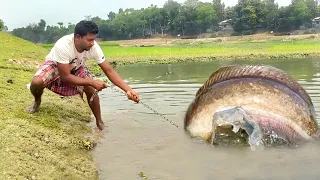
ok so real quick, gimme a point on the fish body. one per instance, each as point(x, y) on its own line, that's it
point(262, 105)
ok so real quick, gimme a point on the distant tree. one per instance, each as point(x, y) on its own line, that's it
point(272, 14)
point(191, 17)
point(60, 24)
point(207, 17)
point(219, 9)
point(172, 9)
point(111, 15)
point(250, 15)
point(299, 13)
point(4, 28)
point(1, 24)
point(312, 7)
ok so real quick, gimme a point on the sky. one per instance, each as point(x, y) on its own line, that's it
point(20, 13)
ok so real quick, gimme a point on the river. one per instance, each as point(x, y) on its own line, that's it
point(138, 140)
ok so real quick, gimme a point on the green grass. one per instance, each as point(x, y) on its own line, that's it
point(108, 44)
point(16, 48)
point(49, 144)
point(20, 51)
point(211, 51)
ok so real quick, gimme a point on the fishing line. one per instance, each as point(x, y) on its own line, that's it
point(141, 102)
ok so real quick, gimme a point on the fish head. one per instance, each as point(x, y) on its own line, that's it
point(234, 127)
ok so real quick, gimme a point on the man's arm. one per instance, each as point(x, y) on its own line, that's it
point(114, 76)
point(66, 76)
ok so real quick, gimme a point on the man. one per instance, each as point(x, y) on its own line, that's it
point(64, 71)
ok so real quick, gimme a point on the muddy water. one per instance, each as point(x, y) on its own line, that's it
point(138, 140)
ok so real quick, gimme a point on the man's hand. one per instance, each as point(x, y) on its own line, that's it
point(132, 95)
point(117, 80)
point(99, 85)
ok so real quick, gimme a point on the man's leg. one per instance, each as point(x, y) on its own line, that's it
point(36, 89)
point(95, 106)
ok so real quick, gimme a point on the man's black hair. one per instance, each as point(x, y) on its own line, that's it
point(84, 27)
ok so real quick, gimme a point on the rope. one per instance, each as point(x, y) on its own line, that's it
point(141, 102)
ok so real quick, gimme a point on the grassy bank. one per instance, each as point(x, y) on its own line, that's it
point(50, 144)
point(208, 50)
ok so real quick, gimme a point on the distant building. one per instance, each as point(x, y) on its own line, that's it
point(316, 23)
point(225, 25)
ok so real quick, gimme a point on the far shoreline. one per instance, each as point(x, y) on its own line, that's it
point(250, 57)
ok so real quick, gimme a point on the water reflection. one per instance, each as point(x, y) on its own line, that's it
point(139, 140)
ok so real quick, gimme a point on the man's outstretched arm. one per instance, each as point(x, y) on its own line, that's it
point(117, 80)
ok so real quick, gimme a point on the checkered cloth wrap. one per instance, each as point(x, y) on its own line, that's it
point(49, 73)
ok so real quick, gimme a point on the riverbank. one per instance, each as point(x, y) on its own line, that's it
point(50, 144)
point(215, 49)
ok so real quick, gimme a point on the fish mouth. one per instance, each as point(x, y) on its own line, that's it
point(233, 127)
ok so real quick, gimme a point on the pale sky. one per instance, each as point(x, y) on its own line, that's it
point(19, 13)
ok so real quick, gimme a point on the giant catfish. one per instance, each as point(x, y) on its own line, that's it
point(255, 105)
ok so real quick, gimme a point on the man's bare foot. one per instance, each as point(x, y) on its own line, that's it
point(34, 106)
point(100, 125)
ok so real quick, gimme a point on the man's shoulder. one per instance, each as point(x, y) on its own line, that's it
point(65, 41)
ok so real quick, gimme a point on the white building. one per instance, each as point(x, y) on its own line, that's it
point(225, 25)
point(316, 22)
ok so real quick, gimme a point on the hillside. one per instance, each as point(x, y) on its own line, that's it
point(14, 50)
point(49, 144)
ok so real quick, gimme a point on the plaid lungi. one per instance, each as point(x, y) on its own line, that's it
point(49, 73)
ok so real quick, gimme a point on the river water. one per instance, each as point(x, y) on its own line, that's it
point(139, 140)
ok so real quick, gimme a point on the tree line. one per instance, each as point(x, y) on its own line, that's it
point(189, 18)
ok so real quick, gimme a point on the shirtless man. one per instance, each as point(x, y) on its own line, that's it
point(64, 71)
